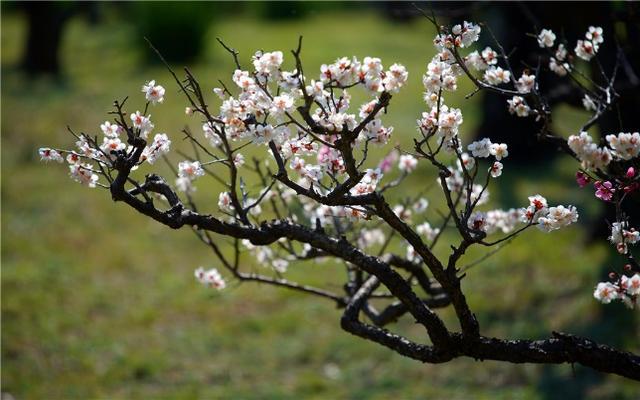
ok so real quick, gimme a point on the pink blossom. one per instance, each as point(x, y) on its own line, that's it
point(604, 191)
point(582, 179)
point(387, 163)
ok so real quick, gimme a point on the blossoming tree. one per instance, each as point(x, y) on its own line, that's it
point(322, 197)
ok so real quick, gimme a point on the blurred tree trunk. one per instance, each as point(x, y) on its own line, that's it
point(46, 22)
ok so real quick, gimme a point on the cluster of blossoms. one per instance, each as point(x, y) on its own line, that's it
point(47, 154)
point(239, 115)
point(485, 60)
point(623, 288)
point(495, 220)
point(518, 106)
point(312, 153)
point(587, 48)
point(484, 148)
point(158, 147)
point(267, 257)
point(590, 154)
point(548, 218)
point(538, 213)
point(497, 76)
point(105, 153)
point(346, 72)
point(461, 35)
point(560, 61)
point(210, 278)
point(622, 236)
point(557, 63)
point(623, 146)
point(442, 74)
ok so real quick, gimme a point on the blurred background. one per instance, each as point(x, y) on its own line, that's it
point(99, 302)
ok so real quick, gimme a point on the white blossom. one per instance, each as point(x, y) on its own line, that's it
point(481, 148)
point(267, 63)
point(395, 78)
point(47, 154)
point(585, 49)
point(561, 52)
point(238, 160)
point(476, 61)
point(526, 83)
point(282, 104)
point(518, 106)
point(142, 123)
point(112, 144)
point(407, 163)
point(592, 156)
point(468, 34)
point(83, 173)
point(594, 34)
point(605, 292)
point(489, 56)
point(153, 93)
point(190, 169)
point(110, 130)
point(632, 285)
point(466, 161)
point(626, 146)
point(280, 265)
point(157, 148)
point(498, 150)
point(558, 67)
point(427, 231)
point(225, 203)
point(210, 278)
point(496, 169)
point(557, 217)
point(496, 76)
point(546, 38)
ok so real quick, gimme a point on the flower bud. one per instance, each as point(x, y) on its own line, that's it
point(627, 267)
point(612, 275)
point(631, 172)
point(631, 188)
point(582, 179)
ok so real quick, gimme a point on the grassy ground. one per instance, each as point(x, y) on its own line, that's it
point(99, 302)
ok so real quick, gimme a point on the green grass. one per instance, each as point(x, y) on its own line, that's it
point(99, 302)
